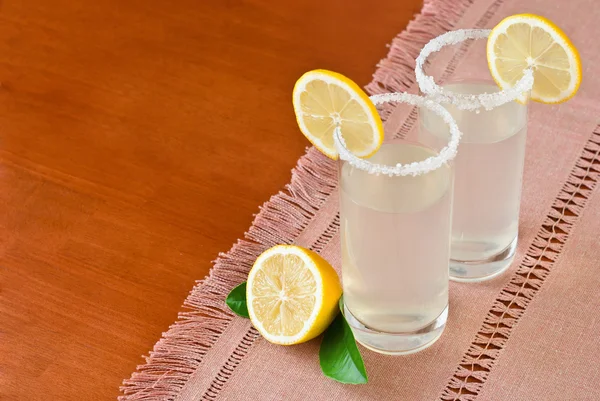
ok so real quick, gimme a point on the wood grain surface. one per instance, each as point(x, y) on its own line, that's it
point(137, 139)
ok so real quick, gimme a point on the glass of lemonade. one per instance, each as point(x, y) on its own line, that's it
point(395, 214)
point(489, 166)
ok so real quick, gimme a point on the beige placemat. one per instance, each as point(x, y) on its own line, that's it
point(531, 334)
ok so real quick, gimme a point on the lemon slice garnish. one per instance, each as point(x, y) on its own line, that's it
point(324, 100)
point(529, 41)
point(292, 294)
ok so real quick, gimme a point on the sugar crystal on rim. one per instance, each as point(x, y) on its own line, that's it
point(466, 101)
point(415, 168)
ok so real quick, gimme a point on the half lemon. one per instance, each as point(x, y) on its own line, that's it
point(292, 294)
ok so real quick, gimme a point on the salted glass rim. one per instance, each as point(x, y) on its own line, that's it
point(463, 101)
point(445, 155)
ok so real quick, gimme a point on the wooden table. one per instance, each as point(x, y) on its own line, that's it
point(137, 138)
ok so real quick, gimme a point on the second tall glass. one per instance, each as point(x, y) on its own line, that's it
point(489, 166)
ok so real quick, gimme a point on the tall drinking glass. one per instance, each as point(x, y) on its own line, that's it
point(395, 214)
point(489, 166)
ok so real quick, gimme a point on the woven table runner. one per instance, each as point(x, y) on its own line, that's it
point(531, 334)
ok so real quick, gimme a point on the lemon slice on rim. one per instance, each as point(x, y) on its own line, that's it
point(292, 294)
point(526, 41)
point(324, 100)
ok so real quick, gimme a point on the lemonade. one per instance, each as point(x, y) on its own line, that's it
point(488, 181)
point(529, 58)
point(395, 245)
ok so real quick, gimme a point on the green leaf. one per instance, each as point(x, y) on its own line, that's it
point(236, 300)
point(339, 356)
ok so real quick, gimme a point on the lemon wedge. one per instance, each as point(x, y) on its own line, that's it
point(526, 41)
point(324, 100)
point(292, 294)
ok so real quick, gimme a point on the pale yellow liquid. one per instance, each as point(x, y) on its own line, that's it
point(395, 242)
point(488, 172)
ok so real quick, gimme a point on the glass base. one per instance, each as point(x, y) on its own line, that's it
point(472, 271)
point(397, 343)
